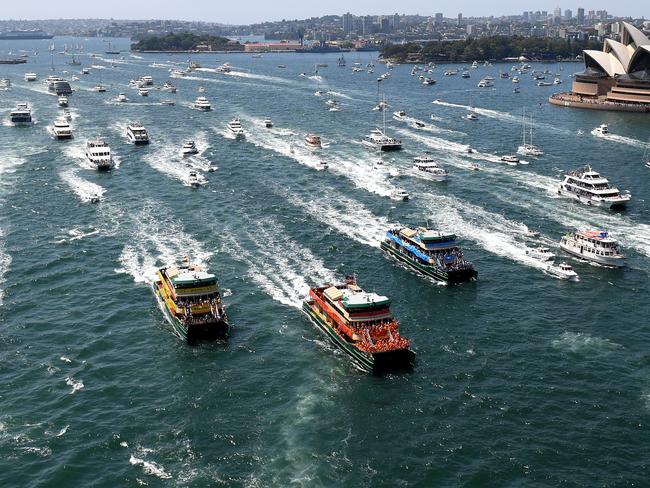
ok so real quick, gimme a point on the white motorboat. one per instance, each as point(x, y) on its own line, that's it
point(66, 114)
point(188, 148)
point(143, 92)
point(30, 77)
point(99, 154)
point(168, 102)
point(168, 87)
point(541, 253)
point(137, 134)
point(428, 81)
point(235, 128)
point(377, 139)
point(593, 245)
point(474, 167)
point(100, 88)
point(427, 165)
point(319, 93)
point(563, 271)
point(485, 83)
point(602, 129)
point(202, 103)
point(146, 80)
point(557, 81)
point(268, 123)
point(510, 159)
point(399, 115)
point(121, 97)
point(313, 140)
point(471, 115)
point(224, 68)
point(335, 108)
point(21, 115)
point(515, 79)
point(465, 74)
point(85, 71)
point(399, 194)
point(62, 101)
point(61, 129)
point(589, 187)
point(193, 179)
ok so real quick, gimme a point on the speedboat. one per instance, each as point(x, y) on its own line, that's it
point(427, 165)
point(602, 129)
point(21, 115)
point(61, 129)
point(399, 194)
point(99, 154)
point(335, 108)
point(177, 73)
point(193, 179)
point(516, 90)
point(95, 198)
point(541, 253)
point(510, 159)
point(100, 88)
point(319, 93)
point(515, 79)
point(563, 271)
point(399, 115)
point(379, 140)
point(557, 81)
point(30, 77)
point(312, 140)
point(471, 116)
point(485, 83)
point(474, 167)
point(235, 128)
point(143, 92)
point(465, 74)
point(188, 148)
point(268, 123)
point(62, 101)
point(168, 87)
point(168, 102)
point(224, 68)
point(121, 97)
point(589, 187)
point(428, 81)
point(201, 103)
point(544, 83)
point(137, 134)
point(85, 71)
point(146, 80)
point(66, 114)
point(593, 245)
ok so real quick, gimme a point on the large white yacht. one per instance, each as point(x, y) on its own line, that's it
point(224, 68)
point(137, 134)
point(589, 187)
point(189, 148)
point(21, 115)
point(99, 154)
point(146, 80)
point(168, 87)
point(61, 129)
point(121, 97)
point(30, 77)
point(593, 245)
point(485, 83)
point(201, 103)
point(313, 140)
point(602, 129)
point(541, 253)
point(427, 165)
point(563, 271)
point(235, 128)
point(377, 139)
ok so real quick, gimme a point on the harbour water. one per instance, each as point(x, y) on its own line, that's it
point(521, 379)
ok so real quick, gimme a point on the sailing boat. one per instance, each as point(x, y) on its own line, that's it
point(378, 138)
point(74, 62)
point(527, 148)
point(110, 50)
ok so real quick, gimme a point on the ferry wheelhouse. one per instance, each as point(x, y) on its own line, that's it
point(589, 187)
point(360, 324)
point(21, 115)
point(190, 299)
point(431, 253)
point(593, 245)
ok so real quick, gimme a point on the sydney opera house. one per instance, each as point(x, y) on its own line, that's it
point(616, 78)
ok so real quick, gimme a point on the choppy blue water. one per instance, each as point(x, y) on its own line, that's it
point(521, 379)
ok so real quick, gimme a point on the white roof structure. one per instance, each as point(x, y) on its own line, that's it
point(629, 57)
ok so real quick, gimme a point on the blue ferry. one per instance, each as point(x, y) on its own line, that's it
point(431, 253)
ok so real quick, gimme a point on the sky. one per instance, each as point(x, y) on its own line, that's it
point(253, 11)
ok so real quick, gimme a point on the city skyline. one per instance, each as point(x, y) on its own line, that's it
point(263, 12)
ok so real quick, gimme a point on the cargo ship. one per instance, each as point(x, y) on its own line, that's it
point(361, 325)
point(190, 299)
point(431, 253)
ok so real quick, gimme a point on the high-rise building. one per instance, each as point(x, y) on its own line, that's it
point(459, 22)
point(347, 23)
point(581, 16)
point(439, 19)
point(525, 16)
point(568, 14)
point(557, 12)
point(470, 29)
point(395, 25)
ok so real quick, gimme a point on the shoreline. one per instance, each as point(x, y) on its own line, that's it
point(568, 99)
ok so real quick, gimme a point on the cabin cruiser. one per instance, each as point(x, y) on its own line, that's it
point(332, 103)
point(563, 271)
point(557, 81)
point(544, 83)
point(121, 97)
point(515, 79)
point(427, 165)
point(602, 129)
point(21, 115)
point(201, 103)
point(99, 154)
point(193, 179)
point(168, 102)
point(30, 77)
point(61, 129)
point(465, 74)
point(146, 80)
point(510, 159)
point(58, 86)
point(137, 134)
point(399, 194)
point(399, 115)
point(593, 245)
point(177, 73)
point(474, 166)
point(189, 148)
point(381, 106)
point(168, 87)
point(224, 68)
point(319, 93)
point(235, 128)
point(143, 92)
point(428, 81)
point(541, 253)
point(85, 71)
point(62, 101)
point(268, 123)
point(471, 115)
point(312, 140)
point(100, 88)
point(589, 187)
point(485, 83)
point(66, 114)
point(379, 140)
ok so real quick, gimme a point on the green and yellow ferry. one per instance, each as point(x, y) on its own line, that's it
point(361, 325)
point(431, 253)
point(190, 299)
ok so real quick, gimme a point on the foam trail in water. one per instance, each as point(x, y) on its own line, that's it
point(5, 263)
point(621, 139)
point(84, 189)
point(167, 160)
point(281, 267)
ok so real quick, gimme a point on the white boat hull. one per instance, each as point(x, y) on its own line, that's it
point(579, 251)
point(592, 202)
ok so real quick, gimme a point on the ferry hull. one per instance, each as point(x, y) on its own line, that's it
point(451, 277)
point(195, 332)
point(604, 260)
point(376, 363)
point(591, 202)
